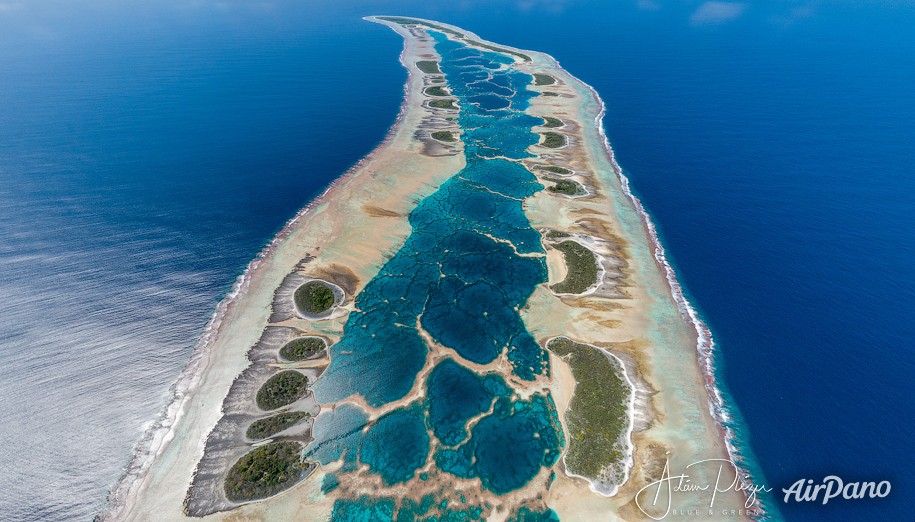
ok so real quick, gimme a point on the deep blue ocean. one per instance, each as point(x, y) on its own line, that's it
point(148, 150)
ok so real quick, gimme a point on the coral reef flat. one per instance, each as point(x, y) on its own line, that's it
point(407, 342)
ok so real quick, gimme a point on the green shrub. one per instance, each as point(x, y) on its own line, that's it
point(436, 91)
point(428, 67)
point(598, 415)
point(543, 79)
point(410, 21)
point(302, 348)
point(263, 428)
point(565, 186)
point(283, 388)
point(503, 50)
point(443, 104)
point(581, 264)
point(553, 169)
point(314, 297)
point(553, 140)
point(265, 471)
point(444, 136)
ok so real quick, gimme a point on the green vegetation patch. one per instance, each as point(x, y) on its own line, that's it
point(437, 80)
point(554, 169)
point(403, 20)
point(410, 21)
point(444, 136)
point(543, 79)
point(443, 104)
point(556, 234)
point(428, 67)
point(283, 388)
point(265, 471)
point(598, 416)
point(302, 348)
point(581, 264)
point(549, 93)
point(263, 428)
point(553, 140)
point(552, 123)
point(566, 187)
point(524, 57)
point(314, 297)
point(436, 91)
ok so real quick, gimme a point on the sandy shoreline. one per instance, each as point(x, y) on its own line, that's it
point(654, 332)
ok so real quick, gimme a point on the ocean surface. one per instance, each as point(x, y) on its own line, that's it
point(149, 151)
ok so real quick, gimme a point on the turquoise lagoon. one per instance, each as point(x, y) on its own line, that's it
point(471, 262)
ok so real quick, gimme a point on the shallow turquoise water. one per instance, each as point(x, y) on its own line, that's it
point(507, 448)
point(367, 509)
point(338, 435)
point(454, 395)
point(397, 444)
point(461, 275)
